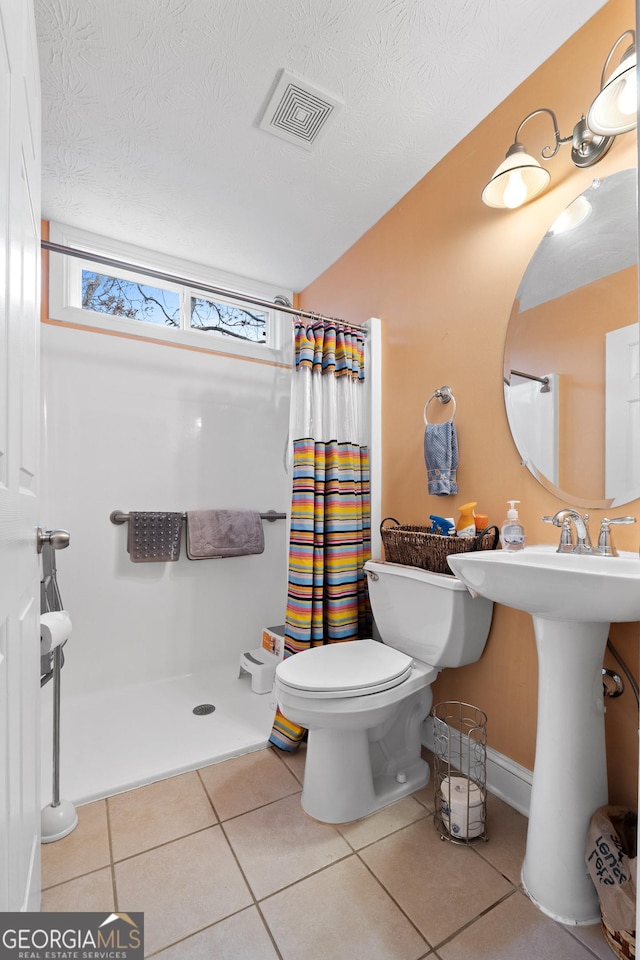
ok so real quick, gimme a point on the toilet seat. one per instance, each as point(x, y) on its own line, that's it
point(352, 669)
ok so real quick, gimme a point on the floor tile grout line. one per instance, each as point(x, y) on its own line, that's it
point(269, 931)
point(278, 754)
point(391, 833)
point(287, 886)
point(207, 794)
point(483, 913)
point(514, 889)
point(79, 876)
point(210, 926)
point(256, 902)
point(165, 843)
point(261, 806)
point(478, 851)
point(114, 885)
point(395, 902)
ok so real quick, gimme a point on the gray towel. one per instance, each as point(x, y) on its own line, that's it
point(154, 537)
point(441, 458)
point(223, 533)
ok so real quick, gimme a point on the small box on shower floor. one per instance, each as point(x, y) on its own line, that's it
point(273, 640)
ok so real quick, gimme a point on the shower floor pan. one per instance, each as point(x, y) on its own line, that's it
point(116, 740)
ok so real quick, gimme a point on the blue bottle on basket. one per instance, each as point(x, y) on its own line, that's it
point(512, 535)
point(440, 525)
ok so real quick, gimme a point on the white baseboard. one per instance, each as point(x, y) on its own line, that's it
point(505, 778)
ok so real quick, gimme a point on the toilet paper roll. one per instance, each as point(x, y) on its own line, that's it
point(462, 807)
point(55, 628)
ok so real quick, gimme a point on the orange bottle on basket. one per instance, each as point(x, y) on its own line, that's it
point(466, 525)
point(481, 522)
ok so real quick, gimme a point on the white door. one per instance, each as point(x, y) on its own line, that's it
point(622, 420)
point(19, 443)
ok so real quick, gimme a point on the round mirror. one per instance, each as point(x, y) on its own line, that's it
point(571, 363)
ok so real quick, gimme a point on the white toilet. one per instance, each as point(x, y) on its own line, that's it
point(364, 702)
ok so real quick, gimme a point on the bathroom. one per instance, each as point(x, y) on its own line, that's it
point(441, 271)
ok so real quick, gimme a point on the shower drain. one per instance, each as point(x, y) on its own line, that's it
point(203, 709)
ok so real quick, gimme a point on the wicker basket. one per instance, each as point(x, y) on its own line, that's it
point(418, 547)
point(622, 942)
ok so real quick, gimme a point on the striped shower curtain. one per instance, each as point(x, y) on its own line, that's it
point(330, 510)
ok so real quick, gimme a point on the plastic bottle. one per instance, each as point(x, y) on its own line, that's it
point(512, 535)
point(481, 521)
point(440, 525)
point(466, 525)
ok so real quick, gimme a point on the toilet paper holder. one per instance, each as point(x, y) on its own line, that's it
point(460, 764)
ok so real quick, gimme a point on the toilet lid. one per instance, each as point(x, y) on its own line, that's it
point(350, 669)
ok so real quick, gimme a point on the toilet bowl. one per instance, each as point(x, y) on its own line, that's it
point(363, 702)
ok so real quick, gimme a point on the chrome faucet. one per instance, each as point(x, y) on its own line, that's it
point(605, 546)
point(564, 519)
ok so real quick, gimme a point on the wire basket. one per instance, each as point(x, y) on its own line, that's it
point(418, 547)
point(460, 762)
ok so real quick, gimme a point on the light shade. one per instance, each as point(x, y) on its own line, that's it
point(615, 109)
point(576, 213)
point(518, 179)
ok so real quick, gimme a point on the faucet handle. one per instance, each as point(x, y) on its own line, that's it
point(605, 546)
point(566, 544)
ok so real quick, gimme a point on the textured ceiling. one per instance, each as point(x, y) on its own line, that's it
point(151, 112)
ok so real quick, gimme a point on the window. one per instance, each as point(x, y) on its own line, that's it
point(113, 298)
point(117, 297)
point(228, 320)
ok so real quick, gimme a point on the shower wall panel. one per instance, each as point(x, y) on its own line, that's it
point(132, 425)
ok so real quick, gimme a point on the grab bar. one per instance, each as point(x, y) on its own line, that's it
point(117, 516)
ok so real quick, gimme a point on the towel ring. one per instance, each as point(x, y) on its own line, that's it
point(444, 395)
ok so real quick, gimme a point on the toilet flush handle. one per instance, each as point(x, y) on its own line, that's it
point(373, 576)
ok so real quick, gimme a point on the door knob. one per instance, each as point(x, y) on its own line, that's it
point(59, 539)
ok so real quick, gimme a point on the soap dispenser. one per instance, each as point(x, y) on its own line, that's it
point(512, 535)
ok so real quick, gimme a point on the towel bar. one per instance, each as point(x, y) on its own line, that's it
point(117, 516)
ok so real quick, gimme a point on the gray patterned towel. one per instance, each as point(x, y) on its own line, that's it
point(441, 458)
point(223, 533)
point(154, 536)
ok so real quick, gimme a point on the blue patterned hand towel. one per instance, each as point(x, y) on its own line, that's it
point(441, 458)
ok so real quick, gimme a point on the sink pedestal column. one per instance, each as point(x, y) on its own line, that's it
point(570, 775)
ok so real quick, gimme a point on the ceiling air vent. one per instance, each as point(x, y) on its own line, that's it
point(298, 112)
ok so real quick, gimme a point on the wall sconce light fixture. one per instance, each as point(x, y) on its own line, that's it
point(520, 177)
point(615, 108)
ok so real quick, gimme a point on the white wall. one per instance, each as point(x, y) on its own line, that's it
point(137, 426)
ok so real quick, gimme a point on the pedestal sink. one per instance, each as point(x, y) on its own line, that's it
point(572, 600)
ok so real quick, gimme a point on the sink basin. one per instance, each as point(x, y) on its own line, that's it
point(560, 586)
point(572, 599)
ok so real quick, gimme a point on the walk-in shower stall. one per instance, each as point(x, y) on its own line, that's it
point(132, 425)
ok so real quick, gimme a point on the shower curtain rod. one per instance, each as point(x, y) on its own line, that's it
point(280, 303)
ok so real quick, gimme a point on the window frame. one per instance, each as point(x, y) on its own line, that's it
point(65, 296)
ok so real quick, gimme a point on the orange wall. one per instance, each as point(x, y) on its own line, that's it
point(442, 271)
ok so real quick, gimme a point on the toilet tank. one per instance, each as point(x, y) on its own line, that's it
point(429, 616)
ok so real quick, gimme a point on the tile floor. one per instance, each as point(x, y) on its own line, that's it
point(226, 866)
